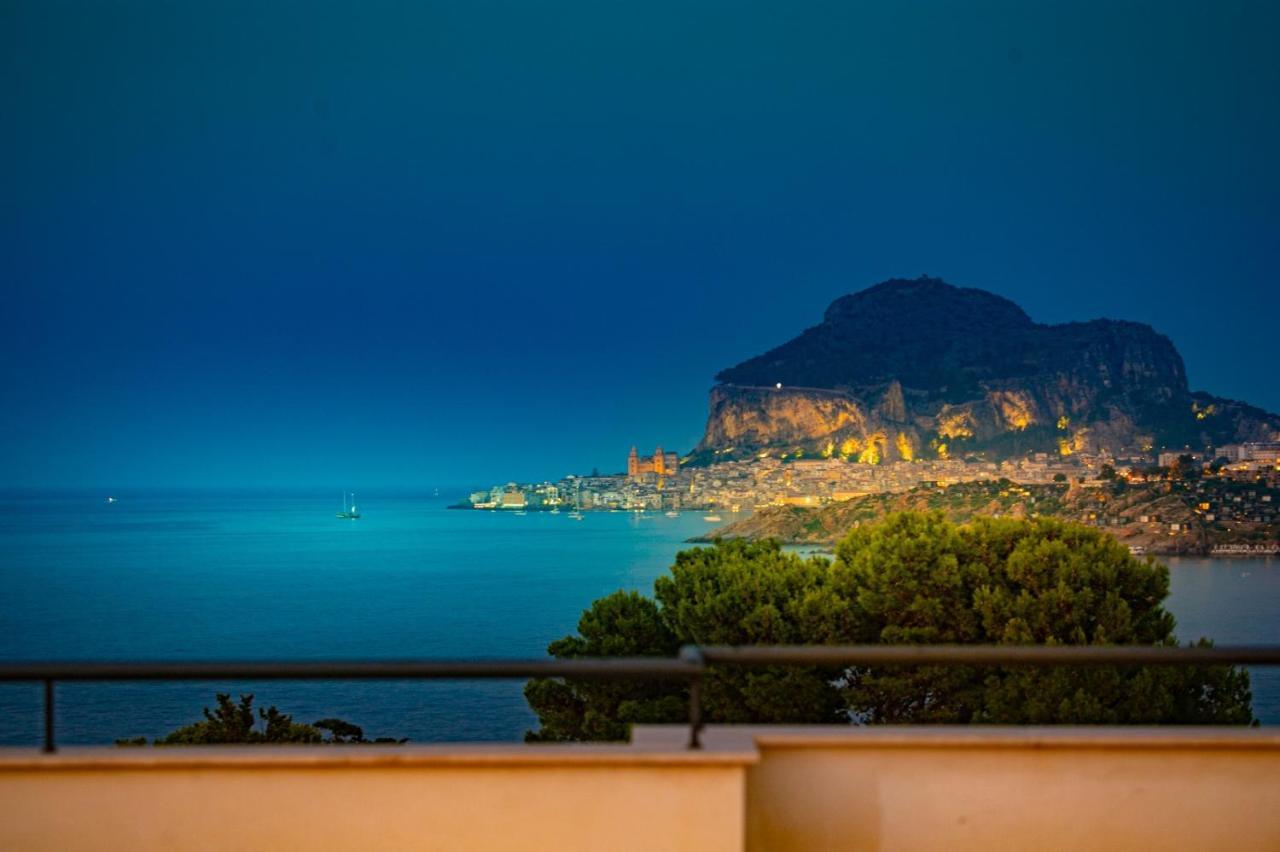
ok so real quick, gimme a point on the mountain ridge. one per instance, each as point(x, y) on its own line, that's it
point(913, 368)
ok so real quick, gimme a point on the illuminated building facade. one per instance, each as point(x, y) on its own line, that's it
point(663, 464)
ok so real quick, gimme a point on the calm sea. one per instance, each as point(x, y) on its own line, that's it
point(276, 576)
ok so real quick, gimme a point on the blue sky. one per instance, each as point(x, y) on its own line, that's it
point(426, 243)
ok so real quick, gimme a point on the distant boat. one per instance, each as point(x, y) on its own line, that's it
point(556, 510)
point(349, 512)
point(673, 514)
point(520, 512)
point(111, 499)
point(712, 519)
point(576, 515)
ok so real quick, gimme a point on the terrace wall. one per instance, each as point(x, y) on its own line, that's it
point(777, 788)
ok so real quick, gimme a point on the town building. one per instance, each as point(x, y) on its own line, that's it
point(1230, 452)
point(663, 464)
point(1168, 458)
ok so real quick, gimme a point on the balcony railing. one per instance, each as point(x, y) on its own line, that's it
point(690, 667)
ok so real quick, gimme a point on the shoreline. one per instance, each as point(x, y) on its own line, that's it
point(548, 510)
point(828, 545)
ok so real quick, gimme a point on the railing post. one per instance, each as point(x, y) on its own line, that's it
point(692, 654)
point(49, 747)
point(695, 712)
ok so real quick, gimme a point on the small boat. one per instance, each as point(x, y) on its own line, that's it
point(576, 515)
point(556, 510)
point(520, 513)
point(673, 514)
point(111, 499)
point(712, 519)
point(349, 512)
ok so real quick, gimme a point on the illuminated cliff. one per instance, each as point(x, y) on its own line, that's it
point(918, 368)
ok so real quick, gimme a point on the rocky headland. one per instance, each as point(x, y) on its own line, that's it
point(911, 369)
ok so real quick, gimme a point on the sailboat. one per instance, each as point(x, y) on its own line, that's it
point(349, 512)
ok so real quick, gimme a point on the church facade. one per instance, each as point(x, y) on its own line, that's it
point(660, 463)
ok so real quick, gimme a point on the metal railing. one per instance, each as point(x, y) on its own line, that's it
point(691, 666)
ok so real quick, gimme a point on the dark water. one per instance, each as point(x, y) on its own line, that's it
point(1234, 602)
point(276, 576)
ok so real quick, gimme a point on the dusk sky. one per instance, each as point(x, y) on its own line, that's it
point(421, 244)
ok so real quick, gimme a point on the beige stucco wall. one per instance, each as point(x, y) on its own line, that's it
point(1009, 788)
point(568, 799)
point(760, 789)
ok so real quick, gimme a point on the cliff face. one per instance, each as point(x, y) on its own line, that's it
point(759, 416)
point(907, 369)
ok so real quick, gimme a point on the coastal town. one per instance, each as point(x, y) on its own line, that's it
point(844, 419)
point(662, 482)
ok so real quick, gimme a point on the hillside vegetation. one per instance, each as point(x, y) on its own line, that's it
point(1142, 515)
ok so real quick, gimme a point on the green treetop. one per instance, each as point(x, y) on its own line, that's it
point(913, 578)
point(916, 579)
point(234, 724)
